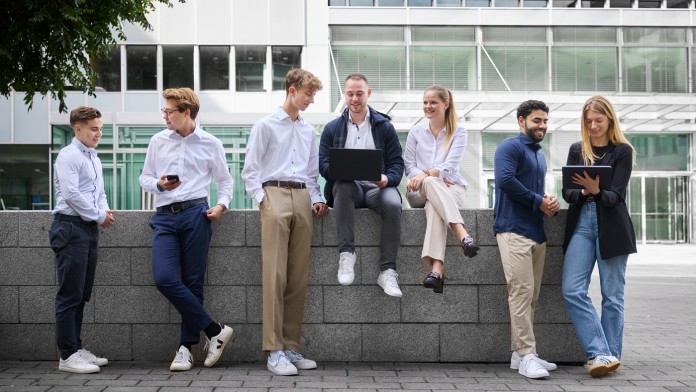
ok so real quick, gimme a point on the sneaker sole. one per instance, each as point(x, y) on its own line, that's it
point(230, 338)
point(180, 369)
point(305, 367)
point(291, 373)
point(535, 376)
point(78, 371)
point(603, 370)
point(346, 283)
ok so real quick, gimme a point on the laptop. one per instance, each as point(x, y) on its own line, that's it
point(604, 173)
point(355, 164)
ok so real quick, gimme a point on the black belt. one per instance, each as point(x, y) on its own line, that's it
point(286, 184)
point(73, 218)
point(177, 207)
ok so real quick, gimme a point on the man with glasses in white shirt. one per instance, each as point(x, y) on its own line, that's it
point(81, 206)
point(180, 164)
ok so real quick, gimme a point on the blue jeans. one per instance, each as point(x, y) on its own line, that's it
point(75, 245)
point(597, 337)
point(179, 257)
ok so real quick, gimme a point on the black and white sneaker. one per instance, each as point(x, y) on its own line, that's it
point(216, 345)
point(183, 360)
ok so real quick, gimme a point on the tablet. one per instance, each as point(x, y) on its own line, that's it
point(604, 173)
point(355, 164)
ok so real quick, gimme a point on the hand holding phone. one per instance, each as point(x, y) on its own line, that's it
point(173, 177)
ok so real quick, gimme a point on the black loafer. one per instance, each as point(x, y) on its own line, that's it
point(469, 246)
point(434, 281)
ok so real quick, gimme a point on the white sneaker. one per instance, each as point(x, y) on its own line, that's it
point(515, 360)
point(603, 365)
point(216, 345)
point(299, 361)
point(182, 361)
point(76, 363)
point(93, 359)
point(346, 263)
point(531, 368)
point(279, 364)
point(387, 281)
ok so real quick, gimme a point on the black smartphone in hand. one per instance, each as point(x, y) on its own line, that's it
point(174, 177)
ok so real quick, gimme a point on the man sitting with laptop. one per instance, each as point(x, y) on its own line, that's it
point(361, 127)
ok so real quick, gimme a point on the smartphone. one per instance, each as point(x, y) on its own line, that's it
point(174, 177)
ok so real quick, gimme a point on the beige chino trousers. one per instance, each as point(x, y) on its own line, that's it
point(441, 204)
point(286, 231)
point(523, 263)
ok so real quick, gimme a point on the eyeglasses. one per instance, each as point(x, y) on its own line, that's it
point(168, 112)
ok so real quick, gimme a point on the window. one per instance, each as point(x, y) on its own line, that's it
point(678, 3)
point(391, 3)
point(584, 68)
point(250, 64)
point(24, 177)
point(491, 140)
point(420, 3)
point(285, 58)
point(361, 3)
point(450, 66)
point(177, 66)
point(649, 3)
point(620, 3)
point(337, 3)
point(141, 63)
point(505, 3)
point(214, 67)
point(592, 4)
point(448, 3)
point(108, 69)
point(534, 3)
point(478, 3)
point(654, 60)
point(522, 68)
point(661, 152)
point(564, 3)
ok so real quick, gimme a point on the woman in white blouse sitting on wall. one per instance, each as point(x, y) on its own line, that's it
point(433, 152)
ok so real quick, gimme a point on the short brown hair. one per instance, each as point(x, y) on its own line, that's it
point(298, 78)
point(184, 98)
point(82, 114)
point(356, 76)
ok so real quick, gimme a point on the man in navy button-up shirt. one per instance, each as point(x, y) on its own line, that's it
point(520, 206)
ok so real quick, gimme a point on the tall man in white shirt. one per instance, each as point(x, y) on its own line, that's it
point(280, 173)
point(81, 205)
point(180, 163)
point(360, 126)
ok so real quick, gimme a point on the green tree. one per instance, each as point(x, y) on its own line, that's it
point(47, 44)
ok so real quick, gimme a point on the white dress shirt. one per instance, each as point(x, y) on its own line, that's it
point(424, 151)
point(279, 149)
point(79, 183)
point(360, 135)
point(197, 159)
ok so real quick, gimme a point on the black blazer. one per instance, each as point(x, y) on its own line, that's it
point(616, 234)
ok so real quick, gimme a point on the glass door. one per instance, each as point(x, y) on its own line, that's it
point(657, 206)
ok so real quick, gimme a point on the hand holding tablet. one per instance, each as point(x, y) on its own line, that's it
point(573, 174)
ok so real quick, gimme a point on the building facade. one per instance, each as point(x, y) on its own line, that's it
point(492, 54)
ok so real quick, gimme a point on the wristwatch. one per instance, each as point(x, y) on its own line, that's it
point(224, 207)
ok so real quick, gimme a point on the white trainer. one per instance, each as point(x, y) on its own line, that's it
point(387, 280)
point(299, 361)
point(216, 345)
point(279, 364)
point(516, 359)
point(182, 361)
point(76, 363)
point(603, 365)
point(346, 264)
point(93, 359)
point(531, 368)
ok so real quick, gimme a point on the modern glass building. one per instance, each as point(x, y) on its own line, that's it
point(492, 54)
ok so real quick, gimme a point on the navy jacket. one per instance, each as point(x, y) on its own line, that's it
point(520, 169)
point(616, 234)
point(385, 137)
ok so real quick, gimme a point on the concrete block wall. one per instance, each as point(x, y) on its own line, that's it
point(128, 319)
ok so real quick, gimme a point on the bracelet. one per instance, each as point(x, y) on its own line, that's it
point(224, 207)
point(427, 172)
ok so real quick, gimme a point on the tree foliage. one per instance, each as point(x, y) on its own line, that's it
point(47, 44)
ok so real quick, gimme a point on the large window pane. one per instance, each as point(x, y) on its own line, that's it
point(449, 3)
point(438, 34)
point(505, 3)
point(418, 3)
point(584, 35)
point(491, 140)
point(24, 177)
point(391, 3)
point(384, 66)
point(453, 67)
point(108, 69)
point(564, 3)
point(693, 69)
point(584, 69)
point(620, 3)
point(661, 70)
point(653, 36)
point(534, 3)
point(141, 62)
point(235, 138)
point(592, 4)
point(136, 137)
point(250, 64)
point(661, 152)
point(678, 3)
point(478, 3)
point(215, 67)
point(177, 66)
point(361, 3)
point(381, 34)
point(337, 3)
point(514, 34)
point(649, 3)
point(285, 58)
point(523, 68)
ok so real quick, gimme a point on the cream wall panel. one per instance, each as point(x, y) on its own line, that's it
point(5, 120)
point(144, 102)
point(31, 127)
point(287, 22)
point(137, 35)
point(214, 22)
point(178, 23)
point(218, 101)
point(106, 102)
point(250, 22)
point(585, 17)
point(375, 16)
point(318, 22)
point(656, 17)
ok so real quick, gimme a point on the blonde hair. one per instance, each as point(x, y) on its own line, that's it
point(445, 95)
point(602, 106)
point(184, 98)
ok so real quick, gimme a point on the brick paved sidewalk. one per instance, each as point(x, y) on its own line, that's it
point(659, 355)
